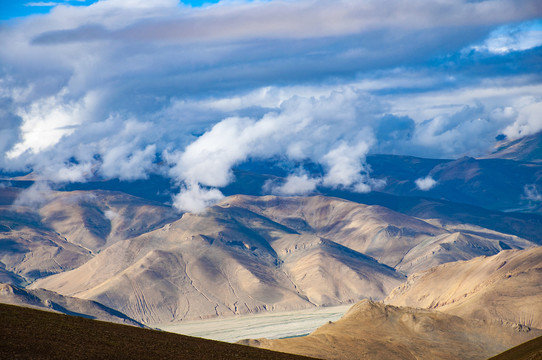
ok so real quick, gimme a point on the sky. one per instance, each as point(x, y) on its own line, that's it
point(121, 89)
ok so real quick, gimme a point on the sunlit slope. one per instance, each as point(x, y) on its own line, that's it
point(225, 261)
point(372, 330)
point(506, 287)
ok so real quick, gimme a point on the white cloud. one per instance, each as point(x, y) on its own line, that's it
point(516, 37)
point(34, 196)
point(426, 183)
point(108, 89)
point(295, 185)
point(531, 193)
point(110, 214)
point(345, 167)
point(194, 198)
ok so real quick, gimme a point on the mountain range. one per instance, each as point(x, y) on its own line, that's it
point(463, 251)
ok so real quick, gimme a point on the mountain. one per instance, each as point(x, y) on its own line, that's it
point(33, 334)
point(403, 242)
point(531, 350)
point(505, 287)
point(30, 250)
point(249, 254)
point(98, 219)
point(527, 149)
point(371, 330)
point(226, 261)
point(65, 229)
point(52, 301)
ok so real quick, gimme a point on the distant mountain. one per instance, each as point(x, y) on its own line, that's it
point(98, 219)
point(30, 250)
point(52, 301)
point(228, 260)
point(506, 286)
point(403, 242)
point(67, 228)
point(249, 254)
point(371, 330)
point(496, 184)
point(527, 148)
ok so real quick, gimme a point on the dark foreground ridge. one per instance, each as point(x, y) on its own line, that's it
point(530, 350)
point(34, 334)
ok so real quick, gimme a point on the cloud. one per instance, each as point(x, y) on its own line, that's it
point(531, 192)
point(426, 183)
point(516, 37)
point(300, 184)
point(110, 214)
point(34, 196)
point(194, 198)
point(122, 89)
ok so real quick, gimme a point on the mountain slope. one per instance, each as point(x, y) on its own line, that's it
point(400, 241)
point(527, 148)
point(225, 261)
point(52, 301)
point(372, 330)
point(501, 287)
point(30, 250)
point(531, 350)
point(97, 219)
point(32, 334)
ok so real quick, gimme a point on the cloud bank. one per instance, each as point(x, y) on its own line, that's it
point(124, 89)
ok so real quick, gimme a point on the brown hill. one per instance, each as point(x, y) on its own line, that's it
point(98, 219)
point(403, 242)
point(251, 254)
point(506, 286)
point(52, 301)
point(531, 350)
point(372, 330)
point(33, 334)
point(30, 250)
point(225, 261)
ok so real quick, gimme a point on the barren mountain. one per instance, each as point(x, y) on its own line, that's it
point(527, 148)
point(501, 287)
point(372, 330)
point(29, 250)
point(227, 260)
point(250, 254)
point(52, 301)
point(97, 219)
point(400, 241)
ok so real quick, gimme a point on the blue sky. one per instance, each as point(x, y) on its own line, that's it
point(19, 8)
point(127, 88)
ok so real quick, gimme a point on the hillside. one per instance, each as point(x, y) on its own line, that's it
point(372, 330)
point(527, 148)
point(531, 350)
point(34, 334)
point(250, 254)
point(501, 287)
point(51, 301)
point(225, 261)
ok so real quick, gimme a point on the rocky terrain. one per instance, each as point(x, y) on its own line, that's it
point(372, 330)
point(505, 287)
